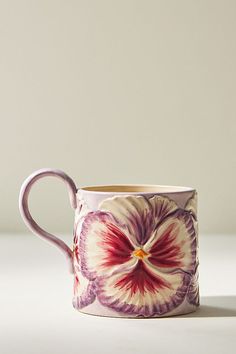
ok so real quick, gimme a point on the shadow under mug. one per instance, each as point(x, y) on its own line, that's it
point(135, 247)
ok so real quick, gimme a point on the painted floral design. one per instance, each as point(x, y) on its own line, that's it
point(137, 255)
point(84, 289)
point(193, 290)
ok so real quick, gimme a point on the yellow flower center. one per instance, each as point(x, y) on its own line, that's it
point(140, 253)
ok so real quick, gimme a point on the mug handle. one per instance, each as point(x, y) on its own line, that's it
point(28, 219)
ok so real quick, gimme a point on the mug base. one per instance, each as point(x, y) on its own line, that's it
point(96, 310)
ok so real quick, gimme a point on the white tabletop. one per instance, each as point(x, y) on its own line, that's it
point(36, 314)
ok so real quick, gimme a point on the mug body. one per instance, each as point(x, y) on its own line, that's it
point(135, 251)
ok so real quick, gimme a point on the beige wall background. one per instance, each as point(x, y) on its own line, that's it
point(118, 92)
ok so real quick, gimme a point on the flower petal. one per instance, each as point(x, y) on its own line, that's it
point(173, 245)
point(191, 205)
point(143, 290)
point(103, 245)
point(137, 214)
point(82, 208)
point(162, 207)
point(84, 291)
point(193, 291)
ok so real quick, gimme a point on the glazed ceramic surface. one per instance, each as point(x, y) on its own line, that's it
point(135, 247)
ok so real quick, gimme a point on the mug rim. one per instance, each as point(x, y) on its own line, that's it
point(136, 189)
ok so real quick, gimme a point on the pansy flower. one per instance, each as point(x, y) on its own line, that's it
point(140, 253)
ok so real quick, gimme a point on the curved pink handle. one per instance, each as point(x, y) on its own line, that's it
point(25, 213)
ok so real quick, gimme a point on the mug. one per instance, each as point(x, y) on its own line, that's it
point(135, 247)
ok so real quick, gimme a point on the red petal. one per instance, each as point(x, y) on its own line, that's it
point(141, 279)
point(117, 246)
point(165, 252)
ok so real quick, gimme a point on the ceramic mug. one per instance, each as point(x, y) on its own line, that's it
point(135, 248)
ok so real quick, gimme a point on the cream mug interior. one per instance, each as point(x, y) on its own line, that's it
point(135, 247)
